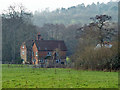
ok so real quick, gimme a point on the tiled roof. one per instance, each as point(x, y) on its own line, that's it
point(50, 44)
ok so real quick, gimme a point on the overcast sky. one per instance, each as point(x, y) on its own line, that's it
point(33, 5)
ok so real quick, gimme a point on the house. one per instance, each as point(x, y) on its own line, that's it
point(23, 52)
point(105, 44)
point(44, 52)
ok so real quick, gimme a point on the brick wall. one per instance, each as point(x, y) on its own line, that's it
point(34, 56)
point(23, 53)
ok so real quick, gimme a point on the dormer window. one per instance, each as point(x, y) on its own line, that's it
point(23, 52)
point(45, 48)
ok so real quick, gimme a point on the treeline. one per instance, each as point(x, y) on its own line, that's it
point(17, 28)
point(89, 55)
point(79, 14)
point(68, 25)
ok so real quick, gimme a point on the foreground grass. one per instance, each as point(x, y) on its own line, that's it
point(18, 76)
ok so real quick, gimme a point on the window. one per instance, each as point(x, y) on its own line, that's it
point(49, 54)
point(45, 48)
point(57, 61)
point(34, 60)
point(36, 53)
point(42, 61)
point(62, 62)
point(23, 46)
point(23, 52)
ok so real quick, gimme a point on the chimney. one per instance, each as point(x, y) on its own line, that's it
point(39, 37)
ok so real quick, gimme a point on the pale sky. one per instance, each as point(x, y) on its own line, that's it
point(39, 5)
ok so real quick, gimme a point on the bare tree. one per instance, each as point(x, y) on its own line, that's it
point(99, 29)
point(15, 16)
point(102, 23)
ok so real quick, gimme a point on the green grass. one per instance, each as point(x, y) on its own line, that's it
point(16, 76)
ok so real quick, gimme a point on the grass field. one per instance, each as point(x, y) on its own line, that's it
point(19, 76)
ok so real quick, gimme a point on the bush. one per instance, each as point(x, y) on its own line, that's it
point(99, 59)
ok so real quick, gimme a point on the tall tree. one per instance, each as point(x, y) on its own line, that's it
point(100, 29)
point(16, 23)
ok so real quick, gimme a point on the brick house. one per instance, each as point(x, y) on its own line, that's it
point(23, 52)
point(44, 52)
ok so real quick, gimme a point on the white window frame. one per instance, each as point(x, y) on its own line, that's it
point(23, 46)
point(36, 53)
point(49, 53)
point(23, 52)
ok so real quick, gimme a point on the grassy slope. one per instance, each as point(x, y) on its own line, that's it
point(27, 77)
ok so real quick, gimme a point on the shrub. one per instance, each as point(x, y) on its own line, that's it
point(99, 59)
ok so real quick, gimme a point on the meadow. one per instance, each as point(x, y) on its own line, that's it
point(25, 76)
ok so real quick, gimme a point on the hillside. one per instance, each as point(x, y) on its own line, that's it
point(79, 14)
